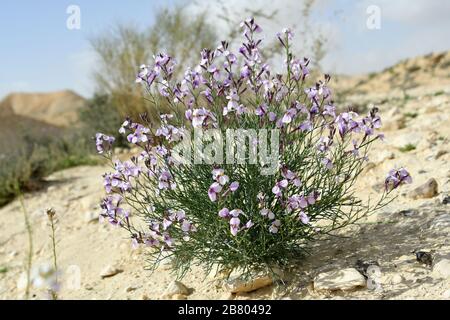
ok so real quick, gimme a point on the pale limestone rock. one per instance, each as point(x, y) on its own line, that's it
point(428, 190)
point(442, 268)
point(238, 285)
point(345, 279)
point(110, 271)
point(175, 288)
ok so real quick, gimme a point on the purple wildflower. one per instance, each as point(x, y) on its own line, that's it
point(346, 123)
point(261, 110)
point(224, 213)
point(267, 213)
point(303, 217)
point(166, 181)
point(139, 134)
point(279, 186)
point(396, 177)
point(275, 226)
point(234, 186)
point(213, 190)
point(103, 142)
point(234, 225)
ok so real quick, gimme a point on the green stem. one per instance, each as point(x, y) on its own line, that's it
point(30, 244)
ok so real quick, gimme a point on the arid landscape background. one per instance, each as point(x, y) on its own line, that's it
point(48, 158)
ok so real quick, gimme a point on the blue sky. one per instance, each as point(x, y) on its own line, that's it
point(38, 52)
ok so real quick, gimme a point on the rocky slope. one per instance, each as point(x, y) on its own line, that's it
point(56, 108)
point(100, 257)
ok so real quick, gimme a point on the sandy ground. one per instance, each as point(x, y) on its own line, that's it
point(86, 247)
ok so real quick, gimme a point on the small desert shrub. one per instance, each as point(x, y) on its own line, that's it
point(34, 158)
point(243, 213)
point(411, 115)
point(407, 148)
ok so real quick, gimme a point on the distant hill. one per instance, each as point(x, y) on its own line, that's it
point(431, 71)
point(57, 108)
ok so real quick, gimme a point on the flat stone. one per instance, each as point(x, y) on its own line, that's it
point(442, 268)
point(175, 288)
point(110, 271)
point(238, 285)
point(345, 279)
point(428, 190)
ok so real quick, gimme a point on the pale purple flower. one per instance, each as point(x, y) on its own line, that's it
point(234, 186)
point(187, 226)
point(165, 181)
point(127, 169)
point(267, 213)
point(224, 213)
point(111, 209)
point(289, 116)
point(279, 186)
point(202, 118)
point(216, 173)
point(249, 224)
point(124, 126)
point(168, 239)
point(396, 177)
point(213, 190)
point(215, 72)
point(306, 126)
point(112, 180)
point(346, 123)
point(303, 217)
point(355, 150)
point(311, 198)
point(166, 223)
point(180, 215)
point(139, 134)
point(236, 212)
point(245, 72)
point(151, 242)
point(324, 144)
point(261, 110)
point(327, 163)
point(292, 177)
point(329, 110)
point(274, 227)
point(234, 225)
point(103, 142)
point(297, 201)
point(371, 122)
point(272, 117)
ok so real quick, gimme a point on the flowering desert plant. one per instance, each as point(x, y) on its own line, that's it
point(232, 214)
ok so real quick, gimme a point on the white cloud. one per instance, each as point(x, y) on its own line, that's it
point(409, 28)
